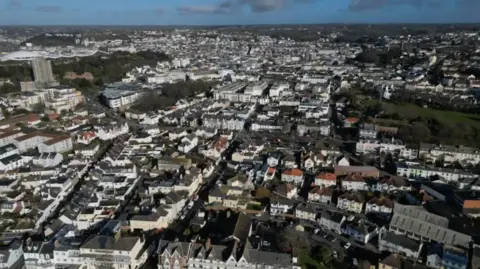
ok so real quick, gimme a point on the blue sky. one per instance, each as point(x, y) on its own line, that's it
point(208, 12)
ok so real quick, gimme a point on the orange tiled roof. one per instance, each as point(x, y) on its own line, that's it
point(33, 117)
point(86, 135)
point(327, 176)
point(351, 119)
point(293, 172)
point(53, 116)
point(271, 170)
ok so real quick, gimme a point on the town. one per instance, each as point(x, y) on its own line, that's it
point(240, 148)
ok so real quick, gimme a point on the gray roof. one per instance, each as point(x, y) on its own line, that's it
point(418, 221)
point(269, 258)
point(242, 227)
point(180, 247)
point(109, 242)
point(401, 240)
point(421, 214)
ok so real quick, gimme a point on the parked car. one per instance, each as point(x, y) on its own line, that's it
point(347, 245)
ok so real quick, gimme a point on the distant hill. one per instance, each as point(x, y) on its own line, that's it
point(51, 40)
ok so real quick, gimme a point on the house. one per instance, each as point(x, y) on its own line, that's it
point(47, 159)
point(173, 254)
point(326, 179)
point(157, 219)
point(287, 190)
point(38, 254)
point(352, 202)
point(111, 131)
point(203, 255)
point(332, 220)
point(12, 254)
point(419, 172)
point(177, 133)
point(273, 159)
point(240, 181)
point(368, 131)
point(393, 183)
point(393, 261)
point(8, 150)
point(343, 161)
point(59, 144)
point(382, 206)
point(434, 255)
point(365, 171)
point(101, 247)
point(269, 173)
point(454, 257)
point(360, 230)
point(306, 212)
point(354, 182)
point(419, 223)
point(399, 243)
point(320, 195)
point(86, 137)
point(11, 162)
point(294, 176)
point(216, 195)
point(289, 161)
point(188, 143)
point(89, 150)
point(280, 205)
point(312, 161)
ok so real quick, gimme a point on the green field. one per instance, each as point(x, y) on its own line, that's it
point(413, 111)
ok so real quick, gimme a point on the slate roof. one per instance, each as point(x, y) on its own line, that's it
point(109, 242)
point(418, 221)
point(401, 240)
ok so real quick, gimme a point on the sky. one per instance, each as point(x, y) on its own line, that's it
point(228, 12)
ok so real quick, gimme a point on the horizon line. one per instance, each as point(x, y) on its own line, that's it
point(243, 25)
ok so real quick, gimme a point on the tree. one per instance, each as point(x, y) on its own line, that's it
point(420, 132)
point(262, 192)
point(6, 113)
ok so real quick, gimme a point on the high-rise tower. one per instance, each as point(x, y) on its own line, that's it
point(42, 70)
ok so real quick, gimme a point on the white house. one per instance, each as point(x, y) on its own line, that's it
point(47, 159)
point(382, 205)
point(118, 252)
point(354, 182)
point(326, 179)
point(351, 202)
point(111, 131)
point(426, 172)
point(59, 144)
point(279, 205)
point(294, 176)
point(11, 255)
point(188, 143)
point(320, 195)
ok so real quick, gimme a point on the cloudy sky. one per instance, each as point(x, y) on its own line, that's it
point(220, 12)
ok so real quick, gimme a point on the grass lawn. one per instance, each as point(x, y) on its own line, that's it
point(411, 111)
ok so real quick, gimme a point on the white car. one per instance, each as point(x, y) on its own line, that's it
point(316, 231)
point(347, 245)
